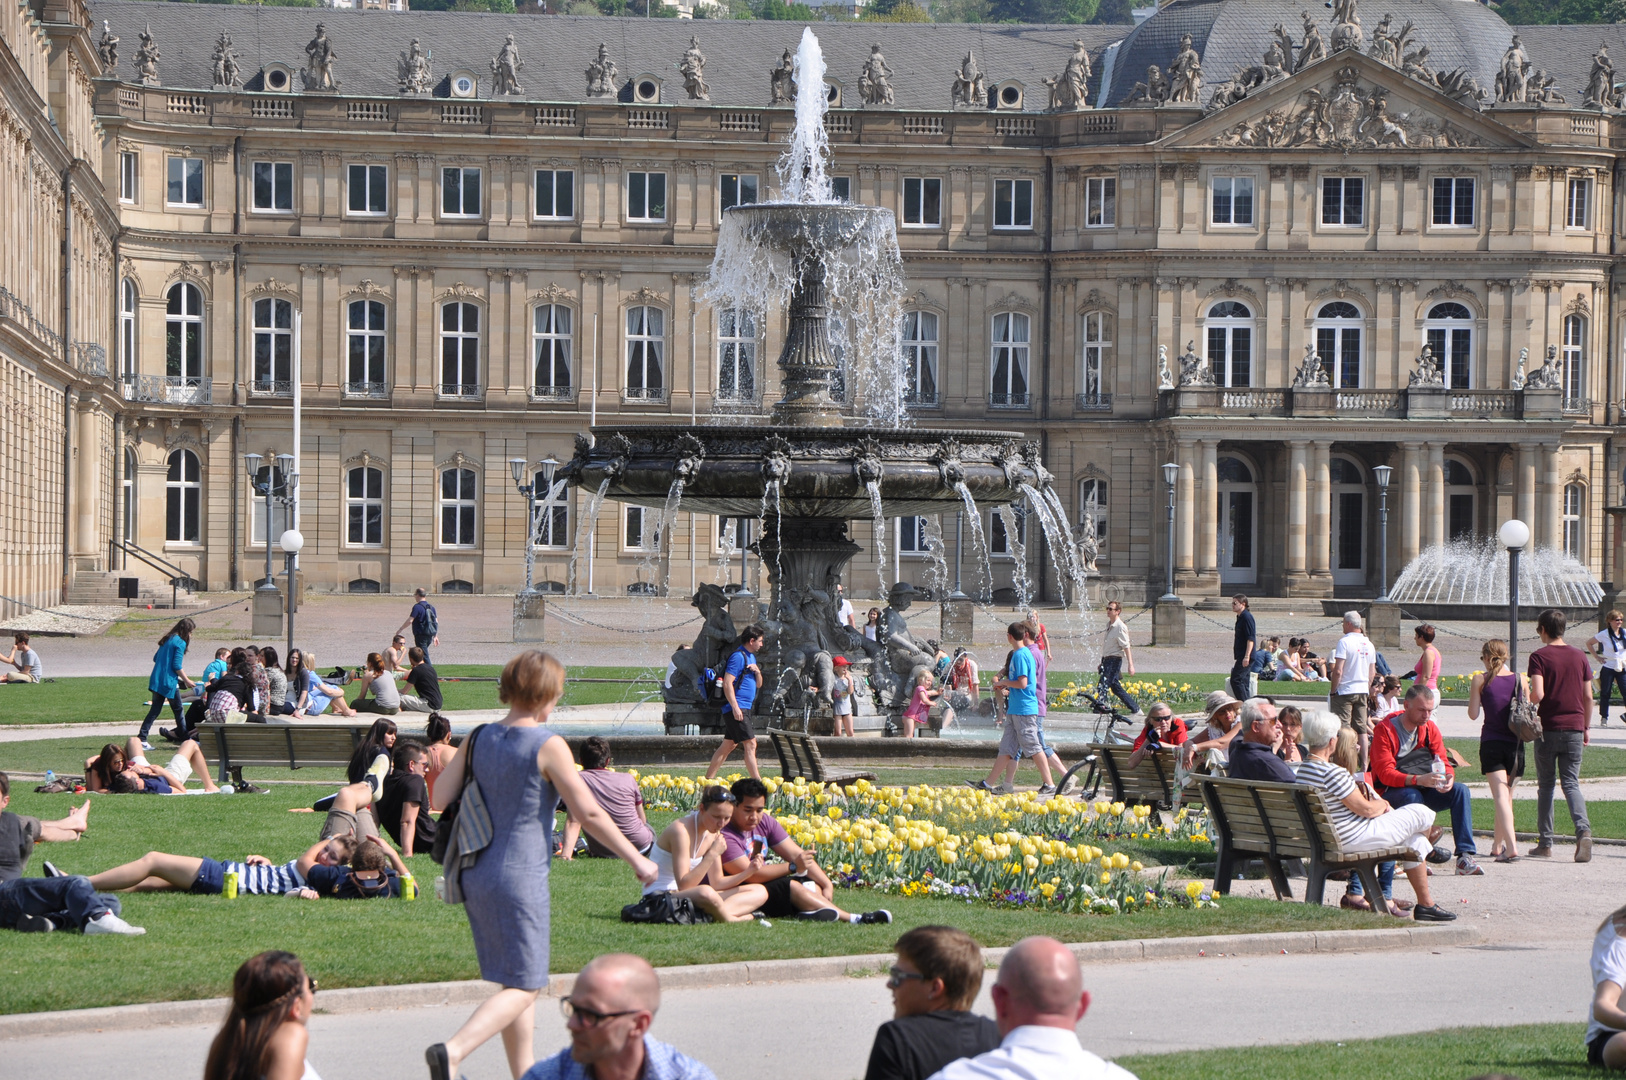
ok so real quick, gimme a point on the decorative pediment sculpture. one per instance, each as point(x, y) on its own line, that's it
point(505, 68)
point(782, 80)
point(1193, 368)
point(693, 69)
point(1312, 374)
point(1185, 74)
point(1427, 372)
point(601, 74)
point(1314, 47)
point(1346, 116)
point(970, 89)
point(147, 57)
point(413, 70)
point(108, 47)
point(318, 75)
point(1346, 26)
point(875, 79)
point(1154, 91)
point(226, 73)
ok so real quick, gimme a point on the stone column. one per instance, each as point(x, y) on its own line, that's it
point(1297, 515)
point(1321, 516)
point(1549, 507)
point(1410, 501)
point(1434, 531)
point(1524, 486)
point(87, 484)
point(1208, 511)
point(1184, 510)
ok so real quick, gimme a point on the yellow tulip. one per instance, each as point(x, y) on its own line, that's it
point(835, 813)
point(1106, 879)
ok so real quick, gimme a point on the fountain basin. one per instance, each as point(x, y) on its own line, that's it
point(823, 227)
point(1467, 580)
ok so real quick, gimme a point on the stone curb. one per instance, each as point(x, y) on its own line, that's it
point(696, 976)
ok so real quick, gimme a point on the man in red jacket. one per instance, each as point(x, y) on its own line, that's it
point(1409, 766)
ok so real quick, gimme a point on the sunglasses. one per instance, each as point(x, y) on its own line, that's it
point(896, 977)
point(719, 794)
point(590, 1018)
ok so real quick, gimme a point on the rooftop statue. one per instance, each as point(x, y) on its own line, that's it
point(783, 80)
point(1547, 376)
point(1154, 91)
point(1600, 90)
point(970, 90)
point(601, 74)
point(875, 80)
point(1314, 48)
point(413, 70)
point(1346, 26)
point(505, 69)
point(693, 69)
point(1542, 89)
point(1278, 54)
point(1165, 380)
point(1186, 74)
point(225, 59)
point(108, 47)
point(1312, 374)
point(1517, 382)
point(1427, 372)
point(1515, 71)
point(1071, 89)
point(1193, 368)
point(147, 57)
point(321, 54)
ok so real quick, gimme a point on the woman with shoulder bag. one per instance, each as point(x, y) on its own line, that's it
point(523, 770)
point(1501, 752)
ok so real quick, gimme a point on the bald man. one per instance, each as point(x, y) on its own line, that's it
point(608, 1012)
point(1039, 999)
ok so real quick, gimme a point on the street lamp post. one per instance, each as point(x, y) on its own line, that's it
point(1383, 473)
point(1171, 472)
point(532, 493)
point(1514, 535)
point(290, 542)
point(252, 464)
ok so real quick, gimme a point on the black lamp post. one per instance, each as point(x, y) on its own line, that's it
point(532, 493)
point(1171, 472)
point(1383, 473)
point(1514, 535)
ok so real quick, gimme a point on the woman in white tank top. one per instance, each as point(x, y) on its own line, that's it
point(695, 842)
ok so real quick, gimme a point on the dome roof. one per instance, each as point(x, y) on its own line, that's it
point(1233, 34)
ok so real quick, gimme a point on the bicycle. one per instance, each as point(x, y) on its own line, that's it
point(1109, 716)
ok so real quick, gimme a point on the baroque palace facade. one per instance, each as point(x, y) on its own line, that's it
point(474, 235)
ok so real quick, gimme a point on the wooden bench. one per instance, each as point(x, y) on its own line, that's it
point(799, 756)
point(1151, 782)
point(1273, 821)
point(234, 747)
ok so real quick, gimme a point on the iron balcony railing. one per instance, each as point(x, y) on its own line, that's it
point(90, 358)
point(644, 393)
point(366, 389)
point(553, 393)
point(1094, 403)
point(169, 389)
point(997, 400)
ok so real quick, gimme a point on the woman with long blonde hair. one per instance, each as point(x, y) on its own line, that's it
point(1501, 753)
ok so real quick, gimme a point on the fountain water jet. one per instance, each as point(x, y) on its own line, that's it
point(1467, 579)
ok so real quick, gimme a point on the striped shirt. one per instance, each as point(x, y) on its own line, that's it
point(260, 880)
point(1336, 785)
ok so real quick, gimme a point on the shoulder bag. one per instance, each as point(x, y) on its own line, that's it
point(1522, 718)
point(465, 828)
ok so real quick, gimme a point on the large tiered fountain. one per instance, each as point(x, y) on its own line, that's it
point(818, 460)
point(1467, 580)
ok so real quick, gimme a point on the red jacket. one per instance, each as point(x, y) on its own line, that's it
point(1386, 745)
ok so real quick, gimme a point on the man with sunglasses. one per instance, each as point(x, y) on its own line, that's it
point(933, 984)
point(608, 1013)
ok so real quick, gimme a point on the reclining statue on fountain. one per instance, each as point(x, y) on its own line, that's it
point(710, 648)
point(904, 659)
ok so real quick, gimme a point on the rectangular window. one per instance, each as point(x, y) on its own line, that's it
point(1013, 204)
point(842, 187)
point(643, 529)
point(912, 536)
point(274, 186)
point(923, 202)
point(369, 189)
point(738, 189)
point(999, 537)
point(1100, 202)
point(457, 504)
point(459, 192)
point(365, 370)
point(1097, 350)
point(1575, 207)
point(273, 346)
point(129, 173)
point(1233, 200)
point(646, 196)
point(185, 181)
point(732, 534)
point(556, 194)
point(364, 507)
point(1343, 200)
point(1454, 201)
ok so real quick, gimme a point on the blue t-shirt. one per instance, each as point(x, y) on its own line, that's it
point(156, 785)
point(745, 687)
point(215, 669)
point(1024, 701)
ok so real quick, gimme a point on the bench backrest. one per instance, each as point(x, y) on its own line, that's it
point(1151, 781)
point(1286, 820)
point(292, 746)
point(798, 754)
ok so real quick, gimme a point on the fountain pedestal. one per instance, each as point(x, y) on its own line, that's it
point(1169, 622)
point(1383, 624)
point(530, 611)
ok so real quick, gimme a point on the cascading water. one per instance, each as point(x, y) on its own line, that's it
point(662, 552)
point(1474, 572)
point(937, 553)
point(803, 169)
point(979, 543)
point(584, 529)
point(1013, 537)
point(878, 527)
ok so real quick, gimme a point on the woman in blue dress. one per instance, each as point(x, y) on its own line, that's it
point(167, 677)
point(524, 770)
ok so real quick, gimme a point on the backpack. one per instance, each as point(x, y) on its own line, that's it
point(367, 884)
point(664, 907)
point(429, 624)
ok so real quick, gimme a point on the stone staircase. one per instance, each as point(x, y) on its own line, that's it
point(102, 587)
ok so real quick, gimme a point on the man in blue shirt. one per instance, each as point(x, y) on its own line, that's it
point(1021, 737)
point(1242, 647)
point(1253, 756)
point(741, 681)
point(608, 1013)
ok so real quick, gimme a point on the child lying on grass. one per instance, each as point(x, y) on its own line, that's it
point(338, 867)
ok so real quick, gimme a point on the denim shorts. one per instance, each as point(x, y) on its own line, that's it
point(211, 879)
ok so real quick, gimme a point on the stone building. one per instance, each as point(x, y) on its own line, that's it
point(476, 235)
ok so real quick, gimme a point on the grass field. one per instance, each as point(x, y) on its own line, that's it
point(1608, 819)
point(193, 943)
point(1597, 761)
point(1529, 1052)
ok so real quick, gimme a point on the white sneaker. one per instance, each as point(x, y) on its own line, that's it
point(110, 923)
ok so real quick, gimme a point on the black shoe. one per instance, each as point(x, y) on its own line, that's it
point(823, 914)
point(1432, 913)
point(246, 788)
point(879, 915)
point(440, 1066)
point(52, 871)
point(172, 735)
point(1440, 855)
point(35, 924)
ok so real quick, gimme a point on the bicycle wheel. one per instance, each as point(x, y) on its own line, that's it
point(1091, 783)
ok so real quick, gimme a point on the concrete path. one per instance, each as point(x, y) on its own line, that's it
point(822, 1030)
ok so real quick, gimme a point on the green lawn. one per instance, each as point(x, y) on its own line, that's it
point(1529, 1052)
point(1595, 761)
point(193, 943)
point(1608, 819)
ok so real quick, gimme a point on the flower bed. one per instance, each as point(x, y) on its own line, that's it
point(1006, 850)
point(1143, 690)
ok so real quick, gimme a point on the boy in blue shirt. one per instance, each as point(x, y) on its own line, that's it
point(741, 680)
point(1021, 737)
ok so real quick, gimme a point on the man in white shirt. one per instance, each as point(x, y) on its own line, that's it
point(1117, 660)
point(1608, 647)
point(1038, 1001)
point(844, 611)
point(1353, 659)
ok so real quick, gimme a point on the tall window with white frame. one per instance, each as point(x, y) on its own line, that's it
point(642, 529)
point(273, 187)
point(458, 501)
point(920, 358)
point(1343, 200)
point(364, 374)
point(1008, 360)
point(369, 189)
point(1454, 202)
point(555, 194)
point(1576, 205)
point(185, 182)
point(1338, 342)
point(736, 356)
point(1230, 343)
point(183, 334)
point(364, 507)
point(736, 189)
point(1449, 334)
point(552, 516)
point(129, 176)
point(912, 536)
point(1574, 519)
point(268, 474)
point(129, 307)
point(922, 202)
point(1232, 200)
point(127, 491)
point(1013, 204)
point(273, 346)
point(1097, 335)
point(1100, 202)
point(1092, 501)
point(550, 351)
point(183, 499)
point(646, 196)
point(646, 344)
point(459, 192)
point(459, 350)
point(1574, 361)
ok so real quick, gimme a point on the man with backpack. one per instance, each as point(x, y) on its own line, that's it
point(741, 681)
point(424, 622)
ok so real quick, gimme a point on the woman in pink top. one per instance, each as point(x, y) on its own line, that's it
point(1427, 671)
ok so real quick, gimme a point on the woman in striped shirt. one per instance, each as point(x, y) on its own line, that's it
point(1365, 822)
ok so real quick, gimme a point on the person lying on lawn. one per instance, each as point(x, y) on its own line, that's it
point(126, 770)
point(322, 870)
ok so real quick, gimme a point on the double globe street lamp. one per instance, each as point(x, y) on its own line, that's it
point(540, 490)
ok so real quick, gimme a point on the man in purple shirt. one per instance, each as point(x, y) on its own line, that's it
point(619, 795)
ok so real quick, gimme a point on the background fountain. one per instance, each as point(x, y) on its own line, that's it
point(1467, 580)
point(817, 461)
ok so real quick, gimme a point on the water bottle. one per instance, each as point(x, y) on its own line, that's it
point(1438, 771)
point(50, 776)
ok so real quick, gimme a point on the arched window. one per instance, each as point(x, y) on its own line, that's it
point(128, 306)
point(1574, 358)
point(127, 485)
point(920, 358)
point(460, 350)
point(646, 347)
point(1238, 516)
point(550, 351)
point(364, 507)
point(183, 334)
point(1574, 505)
point(1009, 360)
point(183, 498)
point(458, 495)
point(273, 346)
point(365, 345)
point(1338, 341)
point(1459, 501)
point(1230, 343)
point(268, 474)
point(736, 356)
point(1449, 330)
point(1097, 353)
point(1092, 499)
point(552, 516)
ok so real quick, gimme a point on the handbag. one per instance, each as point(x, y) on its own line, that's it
point(447, 827)
point(1522, 718)
point(664, 907)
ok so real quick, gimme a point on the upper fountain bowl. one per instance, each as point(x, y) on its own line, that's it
point(808, 227)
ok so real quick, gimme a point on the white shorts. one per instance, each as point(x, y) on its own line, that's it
point(180, 767)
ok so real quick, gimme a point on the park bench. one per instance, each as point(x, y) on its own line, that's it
point(799, 756)
point(1151, 782)
point(234, 747)
point(1273, 821)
